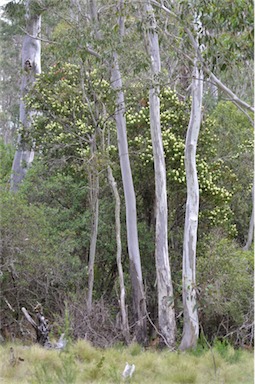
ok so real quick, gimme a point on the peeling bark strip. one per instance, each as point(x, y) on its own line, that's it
point(166, 313)
point(31, 66)
point(191, 326)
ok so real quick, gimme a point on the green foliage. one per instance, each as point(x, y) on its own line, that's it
point(14, 12)
point(201, 347)
point(38, 262)
point(224, 276)
point(66, 200)
point(6, 158)
point(227, 352)
point(70, 113)
point(235, 146)
point(216, 179)
point(233, 129)
point(223, 21)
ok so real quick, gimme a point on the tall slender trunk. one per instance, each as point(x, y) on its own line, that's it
point(31, 66)
point(139, 304)
point(191, 326)
point(94, 204)
point(123, 311)
point(166, 313)
point(138, 295)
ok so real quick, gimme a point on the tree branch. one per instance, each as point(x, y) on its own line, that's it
point(29, 318)
point(238, 102)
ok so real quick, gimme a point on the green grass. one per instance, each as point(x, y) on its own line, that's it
point(81, 363)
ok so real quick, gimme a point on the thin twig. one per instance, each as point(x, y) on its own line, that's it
point(39, 38)
point(159, 333)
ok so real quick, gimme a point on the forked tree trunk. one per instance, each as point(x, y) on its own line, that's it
point(123, 311)
point(31, 66)
point(139, 304)
point(166, 313)
point(191, 326)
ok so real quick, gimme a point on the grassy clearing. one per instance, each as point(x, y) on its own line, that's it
point(81, 363)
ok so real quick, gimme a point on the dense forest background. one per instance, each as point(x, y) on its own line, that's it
point(65, 204)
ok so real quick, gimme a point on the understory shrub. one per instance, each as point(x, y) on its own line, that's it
point(225, 281)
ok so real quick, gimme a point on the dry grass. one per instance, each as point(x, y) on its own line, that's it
point(81, 363)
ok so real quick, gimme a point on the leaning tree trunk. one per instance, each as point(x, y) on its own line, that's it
point(31, 66)
point(191, 326)
point(94, 204)
point(139, 304)
point(166, 313)
point(123, 311)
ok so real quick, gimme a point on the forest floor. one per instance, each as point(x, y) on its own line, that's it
point(81, 363)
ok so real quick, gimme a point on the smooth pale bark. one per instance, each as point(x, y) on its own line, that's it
point(166, 313)
point(138, 295)
point(251, 225)
point(31, 66)
point(191, 325)
point(139, 304)
point(122, 303)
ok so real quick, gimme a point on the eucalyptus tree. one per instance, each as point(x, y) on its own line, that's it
point(166, 313)
point(31, 66)
point(126, 176)
point(139, 301)
point(122, 299)
point(191, 326)
point(190, 332)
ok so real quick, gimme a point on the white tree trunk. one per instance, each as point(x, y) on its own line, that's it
point(123, 311)
point(251, 225)
point(191, 326)
point(130, 201)
point(166, 313)
point(31, 66)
